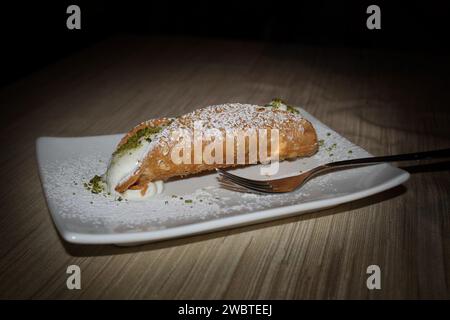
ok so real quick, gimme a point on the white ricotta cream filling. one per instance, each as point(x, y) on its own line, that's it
point(123, 166)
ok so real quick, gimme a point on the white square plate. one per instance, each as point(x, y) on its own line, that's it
point(191, 205)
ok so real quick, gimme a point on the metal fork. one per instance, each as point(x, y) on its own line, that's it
point(291, 183)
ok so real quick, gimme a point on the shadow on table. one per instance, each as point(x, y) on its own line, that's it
point(102, 250)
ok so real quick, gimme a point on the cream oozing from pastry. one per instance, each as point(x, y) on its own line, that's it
point(123, 166)
point(153, 189)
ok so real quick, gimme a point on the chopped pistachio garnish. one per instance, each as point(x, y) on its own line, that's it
point(333, 146)
point(321, 142)
point(136, 139)
point(277, 103)
point(95, 185)
point(292, 109)
point(328, 134)
point(350, 151)
point(187, 201)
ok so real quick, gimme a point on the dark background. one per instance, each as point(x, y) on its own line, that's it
point(34, 34)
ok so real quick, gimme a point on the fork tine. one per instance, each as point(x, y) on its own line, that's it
point(245, 182)
point(246, 185)
point(238, 178)
point(229, 185)
point(251, 188)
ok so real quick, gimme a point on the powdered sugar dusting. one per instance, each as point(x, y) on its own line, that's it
point(225, 118)
point(239, 116)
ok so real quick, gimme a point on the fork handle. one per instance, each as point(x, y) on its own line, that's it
point(427, 155)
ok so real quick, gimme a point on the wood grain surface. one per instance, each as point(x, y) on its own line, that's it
point(387, 102)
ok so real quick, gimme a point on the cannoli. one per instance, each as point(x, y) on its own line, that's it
point(219, 136)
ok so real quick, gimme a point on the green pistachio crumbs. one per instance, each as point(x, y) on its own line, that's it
point(333, 146)
point(136, 139)
point(278, 103)
point(95, 185)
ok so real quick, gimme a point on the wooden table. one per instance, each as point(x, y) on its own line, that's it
point(387, 102)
